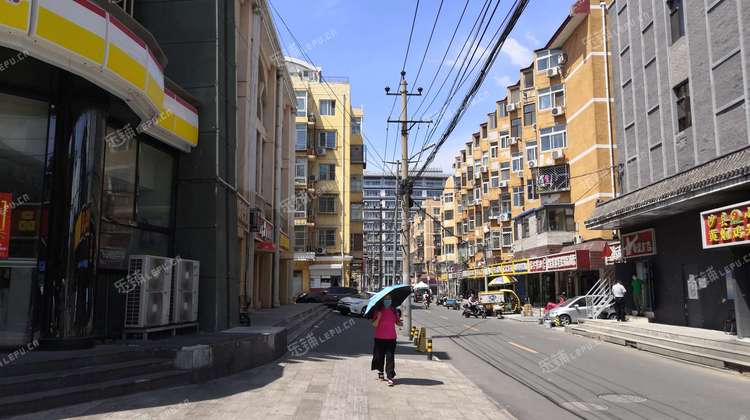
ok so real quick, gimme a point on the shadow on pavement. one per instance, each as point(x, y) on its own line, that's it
point(418, 381)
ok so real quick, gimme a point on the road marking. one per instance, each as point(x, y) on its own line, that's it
point(523, 347)
point(435, 357)
point(471, 328)
point(443, 317)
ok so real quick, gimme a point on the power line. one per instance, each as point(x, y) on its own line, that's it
point(429, 41)
point(411, 33)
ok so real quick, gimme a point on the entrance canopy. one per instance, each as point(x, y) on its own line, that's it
point(421, 285)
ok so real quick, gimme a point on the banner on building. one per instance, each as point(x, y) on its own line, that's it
point(6, 208)
point(615, 254)
point(726, 226)
point(639, 244)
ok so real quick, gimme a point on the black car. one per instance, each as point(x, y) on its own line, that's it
point(333, 294)
point(311, 297)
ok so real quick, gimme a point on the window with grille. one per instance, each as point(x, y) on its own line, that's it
point(327, 203)
point(327, 237)
point(550, 179)
point(327, 139)
point(682, 100)
point(327, 171)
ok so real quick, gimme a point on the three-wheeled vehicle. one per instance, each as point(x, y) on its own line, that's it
point(500, 301)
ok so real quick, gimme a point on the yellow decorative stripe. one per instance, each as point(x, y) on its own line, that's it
point(155, 92)
point(67, 34)
point(15, 15)
point(185, 130)
point(127, 68)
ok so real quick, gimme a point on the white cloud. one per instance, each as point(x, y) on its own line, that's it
point(519, 54)
point(503, 80)
point(532, 39)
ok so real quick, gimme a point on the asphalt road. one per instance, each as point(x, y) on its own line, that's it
point(536, 372)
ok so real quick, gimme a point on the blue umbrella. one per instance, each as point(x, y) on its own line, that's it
point(398, 293)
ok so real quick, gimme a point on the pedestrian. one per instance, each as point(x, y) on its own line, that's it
point(618, 290)
point(637, 285)
point(385, 319)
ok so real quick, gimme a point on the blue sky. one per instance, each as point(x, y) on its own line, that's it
point(366, 41)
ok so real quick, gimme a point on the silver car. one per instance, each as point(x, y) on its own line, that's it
point(575, 309)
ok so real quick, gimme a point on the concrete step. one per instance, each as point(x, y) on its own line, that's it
point(302, 325)
point(42, 362)
point(38, 382)
point(44, 400)
point(710, 338)
point(674, 348)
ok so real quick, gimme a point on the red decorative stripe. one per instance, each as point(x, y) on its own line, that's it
point(127, 31)
point(180, 100)
point(91, 6)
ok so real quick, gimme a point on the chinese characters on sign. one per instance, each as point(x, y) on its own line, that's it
point(639, 244)
point(726, 226)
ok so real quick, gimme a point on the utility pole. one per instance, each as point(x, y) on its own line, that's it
point(380, 245)
point(405, 186)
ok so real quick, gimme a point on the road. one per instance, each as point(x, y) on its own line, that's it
point(513, 363)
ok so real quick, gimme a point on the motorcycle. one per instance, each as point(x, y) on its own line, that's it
point(474, 310)
point(427, 303)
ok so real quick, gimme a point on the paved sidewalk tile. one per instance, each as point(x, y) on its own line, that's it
point(311, 388)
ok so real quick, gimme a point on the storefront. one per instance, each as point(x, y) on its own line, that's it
point(86, 180)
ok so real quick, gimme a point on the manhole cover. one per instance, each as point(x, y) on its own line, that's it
point(623, 398)
point(584, 406)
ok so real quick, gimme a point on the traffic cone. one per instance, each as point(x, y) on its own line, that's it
point(416, 336)
point(429, 349)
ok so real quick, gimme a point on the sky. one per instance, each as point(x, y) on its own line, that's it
point(366, 41)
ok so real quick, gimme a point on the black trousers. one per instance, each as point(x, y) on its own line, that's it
point(383, 352)
point(620, 308)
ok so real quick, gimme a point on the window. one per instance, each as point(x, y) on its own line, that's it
point(449, 249)
point(517, 162)
point(327, 237)
point(356, 125)
point(301, 143)
point(477, 193)
point(493, 150)
point(327, 203)
point(529, 114)
point(501, 111)
point(356, 211)
point(676, 19)
point(484, 133)
point(531, 151)
point(327, 107)
point(355, 183)
point(496, 239)
point(485, 159)
point(531, 189)
point(528, 79)
point(552, 137)
point(327, 139)
point(517, 196)
point(515, 127)
point(301, 96)
point(495, 179)
point(300, 206)
point(492, 120)
point(682, 96)
point(448, 215)
point(300, 238)
point(469, 172)
point(436, 211)
point(300, 168)
point(556, 219)
point(547, 59)
point(476, 141)
point(505, 203)
point(356, 240)
point(494, 208)
point(448, 198)
point(327, 171)
point(485, 187)
point(504, 171)
point(468, 148)
point(551, 97)
point(155, 175)
point(507, 236)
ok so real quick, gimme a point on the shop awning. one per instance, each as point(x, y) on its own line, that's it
point(692, 189)
point(97, 41)
point(421, 285)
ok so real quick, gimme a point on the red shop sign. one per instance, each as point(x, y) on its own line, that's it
point(726, 226)
point(639, 244)
point(6, 204)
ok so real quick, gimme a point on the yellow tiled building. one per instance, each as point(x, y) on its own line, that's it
point(526, 181)
point(329, 164)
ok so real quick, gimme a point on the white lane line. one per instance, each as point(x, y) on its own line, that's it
point(443, 317)
point(523, 347)
point(471, 328)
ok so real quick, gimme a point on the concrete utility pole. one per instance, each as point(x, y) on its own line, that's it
point(405, 186)
point(380, 244)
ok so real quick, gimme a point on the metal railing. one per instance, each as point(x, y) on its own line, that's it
point(599, 298)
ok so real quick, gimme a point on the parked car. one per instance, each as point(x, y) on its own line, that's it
point(354, 304)
point(575, 309)
point(311, 297)
point(333, 294)
point(452, 303)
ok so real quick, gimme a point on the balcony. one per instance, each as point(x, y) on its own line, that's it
point(552, 179)
point(358, 154)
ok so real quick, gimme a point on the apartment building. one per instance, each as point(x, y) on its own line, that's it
point(681, 90)
point(426, 243)
point(160, 151)
point(382, 213)
point(329, 165)
point(526, 181)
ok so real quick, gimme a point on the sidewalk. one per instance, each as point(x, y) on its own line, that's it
point(317, 386)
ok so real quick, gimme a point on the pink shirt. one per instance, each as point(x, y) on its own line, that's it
point(386, 329)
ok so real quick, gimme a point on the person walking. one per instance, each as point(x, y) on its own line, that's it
point(385, 319)
point(618, 290)
point(637, 285)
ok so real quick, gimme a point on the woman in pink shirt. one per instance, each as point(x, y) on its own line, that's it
point(385, 319)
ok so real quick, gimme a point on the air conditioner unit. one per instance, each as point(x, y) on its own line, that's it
point(514, 140)
point(486, 229)
point(511, 107)
point(184, 301)
point(502, 184)
point(320, 151)
point(504, 217)
point(557, 154)
point(147, 304)
point(578, 239)
point(484, 169)
point(477, 175)
point(532, 164)
point(312, 178)
point(558, 110)
point(562, 59)
point(320, 251)
point(553, 71)
point(477, 201)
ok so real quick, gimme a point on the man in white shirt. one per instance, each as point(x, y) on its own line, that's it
point(618, 290)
